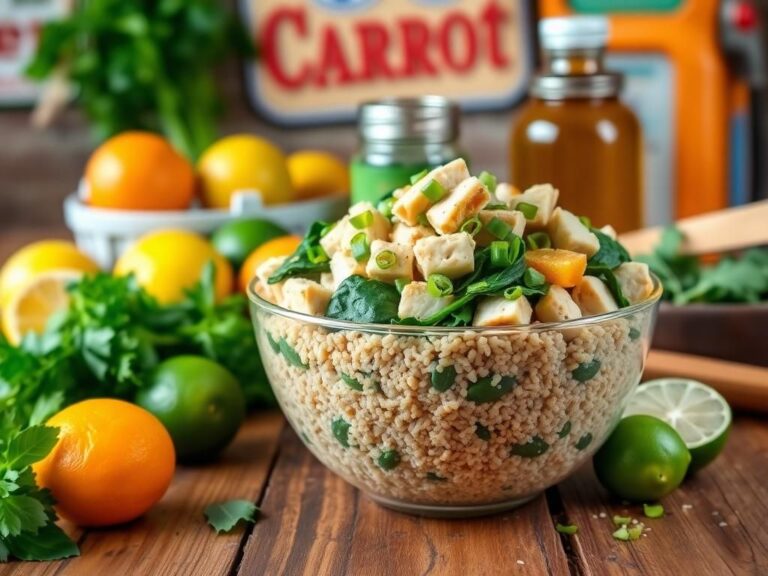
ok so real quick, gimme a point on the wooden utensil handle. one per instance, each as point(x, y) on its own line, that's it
point(722, 231)
point(744, 386)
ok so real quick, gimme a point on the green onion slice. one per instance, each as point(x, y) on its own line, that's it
point(498, 229)
point(496, 206)
point(472, 226)
point(500, 254)
point(653, 510)
point(539, 240)
point(488, 180)
point(621, 520)
point(569, 529)
point(528, 210)
point(439, 285)
point(416, 177)
point(401, 283)
point(516, 247)
point(386, 259)
point(316, 254)
point(533, 278)
point(361, 249)
point(513, 293)
point(385, 206)
point(362, 220)
point(326, 229)
point(434, 191)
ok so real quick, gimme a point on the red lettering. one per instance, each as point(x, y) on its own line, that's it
point(10, 37)
point(494, 17)
point(451, 50)
point(333, 60)
point(374, 43)
point(416, 48)
point(270, 41)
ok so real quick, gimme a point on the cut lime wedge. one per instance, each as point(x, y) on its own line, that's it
point(700, 415)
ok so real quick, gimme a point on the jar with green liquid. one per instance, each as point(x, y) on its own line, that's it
point(401, 137)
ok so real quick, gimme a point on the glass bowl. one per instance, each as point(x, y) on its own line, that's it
point(453, 421)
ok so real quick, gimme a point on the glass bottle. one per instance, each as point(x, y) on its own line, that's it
point(575, 133)
point(401, 137)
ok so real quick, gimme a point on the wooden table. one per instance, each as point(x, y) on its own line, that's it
point(314, 523)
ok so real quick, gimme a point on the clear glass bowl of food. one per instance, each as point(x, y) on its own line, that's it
point(453, 421)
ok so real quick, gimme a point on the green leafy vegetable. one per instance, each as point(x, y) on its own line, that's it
point(486, 390)
point(611, 253)
point(340, 430)
point(586, 370)
point(489, 181)
point(367, 301)
point(224, 516)
point(290, 355)
point(443, 379)
point(300, 263)
point(353, 383)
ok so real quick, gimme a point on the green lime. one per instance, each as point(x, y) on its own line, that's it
point(200, 403)
point(236, 239)
point(700, 415)
point(643, 459)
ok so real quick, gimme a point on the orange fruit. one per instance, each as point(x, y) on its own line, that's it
point(139, 171)
point(112, 463)
point(280, 246)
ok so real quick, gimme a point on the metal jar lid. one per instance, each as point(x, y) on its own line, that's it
point(550, 87)
point(429, 119)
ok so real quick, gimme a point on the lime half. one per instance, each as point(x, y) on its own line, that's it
point(700, 414)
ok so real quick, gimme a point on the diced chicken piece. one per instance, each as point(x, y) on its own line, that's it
point(417, 302)
point(557, 306)
point(326, 280)
point(452, 255)
point(413, 202)
point(402, 267)
point(506, 192)
point(609, 231)
point(409, 235)
point(307, 296)
point(463, 202)
point(544, 197)
point(568, 233)
point(635, 281)
point(593, 297)
point(343, 266)
point(498, 311)
point(270, 292)
point(332, 241)
point(512, 218)
point(378, 229)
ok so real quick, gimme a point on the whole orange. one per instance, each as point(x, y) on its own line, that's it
point(139, 171)
point(280, 246)
point(112, 463)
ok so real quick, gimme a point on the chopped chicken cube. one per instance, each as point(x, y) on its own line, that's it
point(400, 267)
point(463, 202)
point(512, 218)
point(409, 235)
point(452, 255)
point(270, 292)
point(593, 297)
point(417, 302)
point(378, 229)
point(332, 241)
point(557, 306)
point(307, 296)
point(413, 202)
point(567, 232)
point(498, 311)
point(326, 280)
point(635, 281)
point(343, 266)
point(544, 197)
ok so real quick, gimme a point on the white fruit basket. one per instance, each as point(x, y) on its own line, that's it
point(104, 233)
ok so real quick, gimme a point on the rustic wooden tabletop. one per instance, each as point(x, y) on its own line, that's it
point(313, 523)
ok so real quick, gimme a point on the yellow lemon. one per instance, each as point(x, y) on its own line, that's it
point(243, 162)
point(316, 174)
point(167, 262)
point(34, 303)
point(24, 265)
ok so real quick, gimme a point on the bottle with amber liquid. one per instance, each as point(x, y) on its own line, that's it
point(575, 132)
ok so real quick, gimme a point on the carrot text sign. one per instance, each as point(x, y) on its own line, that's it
point(319, 58)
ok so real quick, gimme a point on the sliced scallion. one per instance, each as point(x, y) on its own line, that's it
point(569, 529)
point(472, 226)
point(621, 520)
point(653, 510)
point(496, 206)
point(528, 210)
point(513, 293)
point(361, 249)
point(386, 259)
point(515, 247)
point(362, 220)
point(316, 254)
point(488, 180)
point(416, 177)
point(498, 229)
point(439, 285)
point(539, 240)
point(434, 191)
point(385, 206)
point(533, 278)
point(500, 254)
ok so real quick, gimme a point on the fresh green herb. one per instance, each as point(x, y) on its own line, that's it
point(539, 240)
point(611, 253)
point(653, 510)
point(528, 210)
point(635, 531)
point(607, 276)
point(386, 259)
point(482, 432)
point(327, 229)
point(224, 516)
point(299, 263)
point(621, 520)
point(586, 370)
point(361, 248)
point(489, 181)
point(621, 534)
point(274, 344)
point(498, 228)
point(290, 355)
point(389, 460)
point(401, 283)
point(416, 177)
point(434, 477)
point(569, 529)
point(385, 206)
point(439, 285)
point(513, 293)
point(532, 278)
point(532, 449)
point(472, 226)
point(565, 430)
point(366, 301)
point(340, 430)
point(362, 221)
point(353, 383)
point(500, 254)
point(317, 255)
point(434, 191)
point(443, 379)
point(586, 222)
point(487, 390)
point(144, 65)
point(496, 206)
point(584, 441)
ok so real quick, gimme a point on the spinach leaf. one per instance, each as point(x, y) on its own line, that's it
point(611, 254)
point(366, 301)
point(299, 263)
point(606, 275)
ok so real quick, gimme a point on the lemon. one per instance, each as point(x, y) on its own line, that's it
point(24, 265)
point(36, 302)
point(700, 415)
point(244, 162)
point(316, 174)
point(168, 262)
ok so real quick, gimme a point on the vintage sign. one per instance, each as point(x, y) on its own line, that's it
point(318, 59)
point(20, 24)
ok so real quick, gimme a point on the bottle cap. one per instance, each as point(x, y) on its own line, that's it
point(574, 32)
point(425, 119)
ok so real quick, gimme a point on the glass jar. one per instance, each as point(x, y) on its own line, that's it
point(399, 138)
point(575, 132)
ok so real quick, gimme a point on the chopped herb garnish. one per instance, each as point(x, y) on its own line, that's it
point(569, 529)
point(385, 206)
point(586, 370)
point(439, 285)
point(539, 240)
point(290, 355)
point(472, 226)
point(533, 278)
point(489, 181)
point(316, 254)
point(621, 520)
point(340, 430)
point(635, 531)
point(500, 254)
point(498, 228)
point(513, 293)
point(443, 379)
point(528, 210)
point(496, 206)
point(351, 382)
point(653, 510)
point(486, 390)
point(565, 430)
point(621, 534)
point(434, 191)
point(584, 441)
point(416, 177)
point(362, 220)
point(532, 449)
point(361, 248)
point(386, 259)
point(389, 459)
